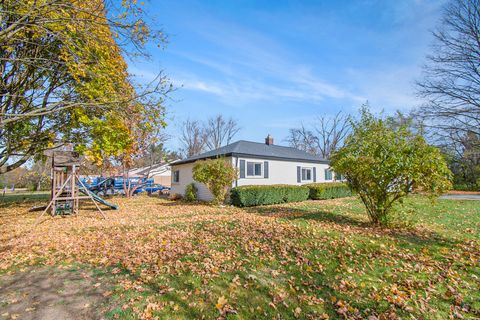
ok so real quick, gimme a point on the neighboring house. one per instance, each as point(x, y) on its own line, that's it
point(257, 164)
point(161, 173)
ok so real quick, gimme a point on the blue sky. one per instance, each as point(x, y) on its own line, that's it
point(273, 65)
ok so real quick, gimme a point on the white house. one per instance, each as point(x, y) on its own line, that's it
point(257, 164)
point(161, 173)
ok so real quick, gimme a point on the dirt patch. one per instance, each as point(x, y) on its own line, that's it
point(461, 197)
point(51, 293)
point(464, 192)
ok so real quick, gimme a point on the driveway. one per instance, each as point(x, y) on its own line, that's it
point(460, 196)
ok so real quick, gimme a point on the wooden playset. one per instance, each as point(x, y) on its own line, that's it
point(67, 187)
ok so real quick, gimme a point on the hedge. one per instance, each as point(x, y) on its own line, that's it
point(466, 187)
point(328, 190)
point(248, 196)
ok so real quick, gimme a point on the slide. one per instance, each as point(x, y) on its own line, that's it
point(101, 185)
point(97, 198)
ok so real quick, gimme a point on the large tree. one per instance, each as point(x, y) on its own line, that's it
point(197, 136)
point(383, 162)
point(324, 137)
point(451, 83)
point(304, 139)
point(63, 77)
point(451, 87)
point(219, 131)
point(192, 138)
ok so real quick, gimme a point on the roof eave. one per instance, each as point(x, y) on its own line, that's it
point(197, 159)
point(247, 155)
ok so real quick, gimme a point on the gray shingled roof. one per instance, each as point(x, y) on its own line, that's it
point(251, 149)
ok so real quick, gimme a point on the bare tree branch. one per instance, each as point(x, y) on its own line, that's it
point(451, 82)
point(192, 138)
point(325, 136)
point(219, 131)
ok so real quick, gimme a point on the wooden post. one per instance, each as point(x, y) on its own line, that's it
point(54, 185)
point(54, 199)
point(72, 189)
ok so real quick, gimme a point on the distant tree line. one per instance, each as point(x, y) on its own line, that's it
point(197, 137)
point(451, 87)
point(323, 137)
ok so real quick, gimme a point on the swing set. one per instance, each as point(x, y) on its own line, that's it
point(67, 187)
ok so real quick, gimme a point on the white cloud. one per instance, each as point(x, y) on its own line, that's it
point(246, 65)
point(235, 90)
point(389, 88)
point(198, 85)
point(253, 67)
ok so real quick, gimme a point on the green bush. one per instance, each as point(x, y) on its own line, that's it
point(328, 190)
point(191, 192)
point(383, 171)
point(217, 174)
point(466, 187)
point(248, 196)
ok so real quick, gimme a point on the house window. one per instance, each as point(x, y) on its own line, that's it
point(328, 174)
point(339, 177)
point(176, 176)
point(306, 174)
point(254, 169)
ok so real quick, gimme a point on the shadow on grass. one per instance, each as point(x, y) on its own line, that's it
point(295, 213)
point(22, 198)
point(256, 292)
point(412, 235)
point(55, 293)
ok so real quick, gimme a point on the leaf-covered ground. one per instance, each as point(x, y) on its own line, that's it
point(310, 260)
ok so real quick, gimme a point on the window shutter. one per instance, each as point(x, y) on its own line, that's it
point(242, 169)
point(265, 169)
point(314, 174)
point(299, 172)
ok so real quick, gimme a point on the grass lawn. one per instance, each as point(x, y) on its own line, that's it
point(23, 196)
point(309, 260)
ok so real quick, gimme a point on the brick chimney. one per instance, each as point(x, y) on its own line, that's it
point(269, 140)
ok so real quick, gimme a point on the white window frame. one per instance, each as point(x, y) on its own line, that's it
point(311, 174)
point(254, 176)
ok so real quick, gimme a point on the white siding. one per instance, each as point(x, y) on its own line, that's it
point(281, 172)
point(186, 177)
